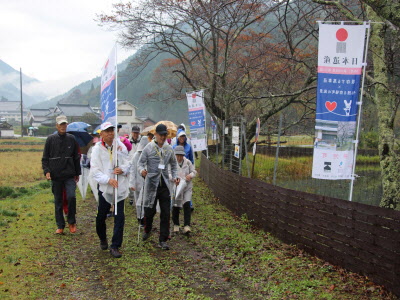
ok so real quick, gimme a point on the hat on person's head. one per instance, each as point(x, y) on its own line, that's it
point(61, 119)
point(181, 133)
point(161, 129)
point(143, 142)
point(179, 150)
point(106, 125)
point(183, 126)
point(136, 129)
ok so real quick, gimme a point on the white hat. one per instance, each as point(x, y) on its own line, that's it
point(106, 125)
point(61, 119)
point(181, 133)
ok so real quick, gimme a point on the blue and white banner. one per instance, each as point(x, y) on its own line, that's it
point(108, 94)
point(340, 61)
point(214, 135)
point(197, 119)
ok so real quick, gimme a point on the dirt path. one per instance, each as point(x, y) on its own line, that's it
point(224, 258)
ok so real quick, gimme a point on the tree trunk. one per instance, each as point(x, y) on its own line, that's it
point(384, 99)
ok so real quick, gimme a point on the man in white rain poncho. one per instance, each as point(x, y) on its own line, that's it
point(136, 180)
point(103, 171)
point(153, 164)
point(183, 195)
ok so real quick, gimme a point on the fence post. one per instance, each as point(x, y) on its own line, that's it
point(241, 146)
point(277, 150)
point(246, 153)
point(223, 144)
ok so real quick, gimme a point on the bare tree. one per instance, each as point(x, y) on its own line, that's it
point(236, 50)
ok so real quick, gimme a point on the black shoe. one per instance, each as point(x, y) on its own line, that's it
point(164, 245)
point(103, 245)
point(115, 252)
point(145, 236)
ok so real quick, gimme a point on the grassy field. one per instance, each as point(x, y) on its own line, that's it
point(224, 258)
point(20, 168)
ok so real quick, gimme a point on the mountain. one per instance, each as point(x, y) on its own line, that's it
point(132, 88)
point(10, 86)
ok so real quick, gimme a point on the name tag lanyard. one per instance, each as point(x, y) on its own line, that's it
point(161, 166)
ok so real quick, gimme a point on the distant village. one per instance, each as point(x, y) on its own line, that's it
point(41, 121)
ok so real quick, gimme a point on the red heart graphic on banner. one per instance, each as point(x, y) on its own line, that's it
point(331, 106)
point(193, 123)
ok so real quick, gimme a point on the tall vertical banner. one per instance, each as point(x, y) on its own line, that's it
point(109, 102)
point(108, 96)
point(197, 120)
point(340, 61)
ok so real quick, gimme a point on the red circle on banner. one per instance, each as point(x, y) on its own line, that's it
point(342, 34)
point(194, 95)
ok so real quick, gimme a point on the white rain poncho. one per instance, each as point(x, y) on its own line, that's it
point(152, 157)
point(183, 192)
point(101, 169)
point(136, 179)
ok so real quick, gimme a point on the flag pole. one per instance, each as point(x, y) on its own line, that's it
point(368, 26)
point(22, 109)
point(116, 130)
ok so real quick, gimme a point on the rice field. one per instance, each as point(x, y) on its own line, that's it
point(19, 168)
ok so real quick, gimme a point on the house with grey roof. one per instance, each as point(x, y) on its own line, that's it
point(10, 111)
point(74, 113)
point(36, 116)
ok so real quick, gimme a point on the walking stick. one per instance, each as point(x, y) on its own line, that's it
point(141, 214)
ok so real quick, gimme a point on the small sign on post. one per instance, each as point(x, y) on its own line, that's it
point(258, 128)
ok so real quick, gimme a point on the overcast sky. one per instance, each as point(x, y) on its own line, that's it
point(56, 41)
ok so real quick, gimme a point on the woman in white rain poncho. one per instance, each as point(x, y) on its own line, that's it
point(136, 180)
point(186, 172)
point(153, 164)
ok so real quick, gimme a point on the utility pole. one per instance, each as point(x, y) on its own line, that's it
point(22, 110)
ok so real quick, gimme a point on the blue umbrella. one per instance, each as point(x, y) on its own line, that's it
point(79, 130)
point(82, 137)
point(77, 126)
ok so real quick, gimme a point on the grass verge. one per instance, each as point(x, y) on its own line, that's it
point(224, 258)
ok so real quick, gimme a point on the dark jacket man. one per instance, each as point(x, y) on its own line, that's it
point(61, 165)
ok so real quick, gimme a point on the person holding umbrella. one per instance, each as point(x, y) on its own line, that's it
point(153, 165)
point(103, 171)
point(61, 165)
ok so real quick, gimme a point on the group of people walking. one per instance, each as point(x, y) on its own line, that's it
point(150, 172)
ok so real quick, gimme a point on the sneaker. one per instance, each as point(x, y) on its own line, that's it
point(164, 245)
point(59, 231)
point(145, 236)
point(72, 228)
point(104, 245)
point(186, 229)
point(115, 252)
point(176, 228)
